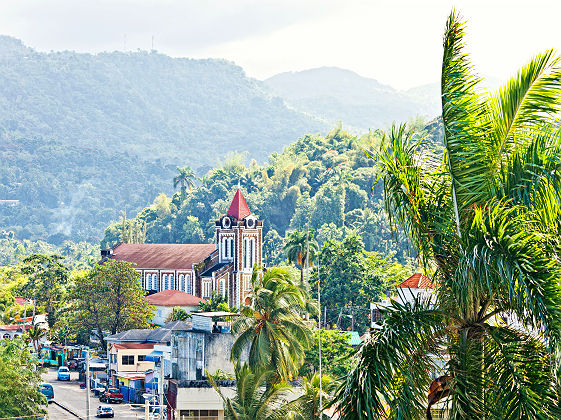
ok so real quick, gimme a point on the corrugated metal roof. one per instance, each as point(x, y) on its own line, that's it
point(163, 256)
point(418, 281)
point(173, 298)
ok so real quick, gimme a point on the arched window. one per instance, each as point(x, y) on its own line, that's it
point(231, 248)
point(182, 282)
point(189, 287)
point(251, 246)
point(245, 263)
point(165, 279)
point(171, 283)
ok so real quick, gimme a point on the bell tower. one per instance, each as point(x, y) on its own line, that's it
point(239, 242)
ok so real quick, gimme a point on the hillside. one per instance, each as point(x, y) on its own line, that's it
point(359, 102)
point(82, 136)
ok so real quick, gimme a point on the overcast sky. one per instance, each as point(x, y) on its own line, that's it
point(397, 42)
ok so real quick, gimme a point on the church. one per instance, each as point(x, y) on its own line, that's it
point(199, 269)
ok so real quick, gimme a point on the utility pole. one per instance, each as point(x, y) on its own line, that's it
point(87, 385)
point(161, 387)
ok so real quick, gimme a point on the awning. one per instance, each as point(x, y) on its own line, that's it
point(154, 356)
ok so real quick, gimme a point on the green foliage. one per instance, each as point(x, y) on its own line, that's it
point(216, 303)
point(254, 397)
point(20, 384)
point(484, 219)
point(309, 405)
point(47, 278)
point(76, 255)
point(351, 278)
point(336, 354)
point(109, 298)
point(178, 314)
point(271, 327)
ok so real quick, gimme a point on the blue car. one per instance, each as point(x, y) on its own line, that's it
point(47, 391)
point(63, 373)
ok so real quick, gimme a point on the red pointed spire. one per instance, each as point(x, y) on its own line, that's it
point(239, 208)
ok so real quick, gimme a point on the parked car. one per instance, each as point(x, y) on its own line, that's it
point(63, 373)
point(105, 411)
point(73, 364)
point(112, 395)
point(48, 391)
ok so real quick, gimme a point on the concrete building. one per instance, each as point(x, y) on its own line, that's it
point(224, 267)
point(166, 300)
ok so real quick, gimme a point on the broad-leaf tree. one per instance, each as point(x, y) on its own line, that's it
point(271, 327)
point(110, 298)
point(20, 384)
point(484, 220)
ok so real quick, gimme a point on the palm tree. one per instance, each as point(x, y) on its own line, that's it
point(186, 179)
point(255, 398)
point(307, 406)
point(272, 327)
point(484, 218)
point(297, 244)
point(35, 334)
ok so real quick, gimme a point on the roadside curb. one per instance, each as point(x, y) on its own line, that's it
point(68, 409)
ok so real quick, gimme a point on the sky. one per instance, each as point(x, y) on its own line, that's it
point(397, 42)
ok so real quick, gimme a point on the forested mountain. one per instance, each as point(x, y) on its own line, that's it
point(324, 182)
point(342, 95)
point(83, 137)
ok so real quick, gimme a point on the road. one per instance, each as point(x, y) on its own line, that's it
point(69, 395)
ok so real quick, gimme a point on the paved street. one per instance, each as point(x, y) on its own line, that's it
point(71, 396)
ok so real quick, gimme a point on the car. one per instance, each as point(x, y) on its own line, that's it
point(155, 415)
point(112, 395)
point(48, 391)
point(105, 411)
point(63, 373)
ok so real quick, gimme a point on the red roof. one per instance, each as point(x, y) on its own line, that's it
point(20, 300)
point(130, 346)
point(163, 256)
point(14, 327)
point(418, 281)
point(173, 298)
point(239, 208)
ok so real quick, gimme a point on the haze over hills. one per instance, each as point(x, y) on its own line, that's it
point(84, 137)
point(342, 95)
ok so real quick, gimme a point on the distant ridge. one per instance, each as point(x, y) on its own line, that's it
point(342, 95)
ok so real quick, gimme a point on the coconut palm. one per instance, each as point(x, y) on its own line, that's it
point(308, 406)
point(296, 248)
point(186, 179)
point(35, 334)
point(484, 220)
point(255, 398)
point(271, 326)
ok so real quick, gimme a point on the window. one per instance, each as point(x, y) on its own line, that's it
point(127, 360)
point(198, 415)
point(182, 282)
point(113, 358)
point(189, 287)
point(245, 253)
point(171, 283)
point(165, 282)
point(231, 248)
point(251, 261)
point(141, 357)
point(206, 289)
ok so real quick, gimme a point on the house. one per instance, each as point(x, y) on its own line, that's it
point(205, 347)
point(166, 300)
point(416, 286)
point(224, 267)
point(13, 331)
point(130, 355)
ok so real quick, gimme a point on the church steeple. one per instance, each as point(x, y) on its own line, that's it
point(239, 208)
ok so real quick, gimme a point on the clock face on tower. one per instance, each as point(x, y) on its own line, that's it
point(226, 222)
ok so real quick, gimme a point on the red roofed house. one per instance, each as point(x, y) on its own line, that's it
point(166, 300)
point(199, 269)
point(416, 285)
